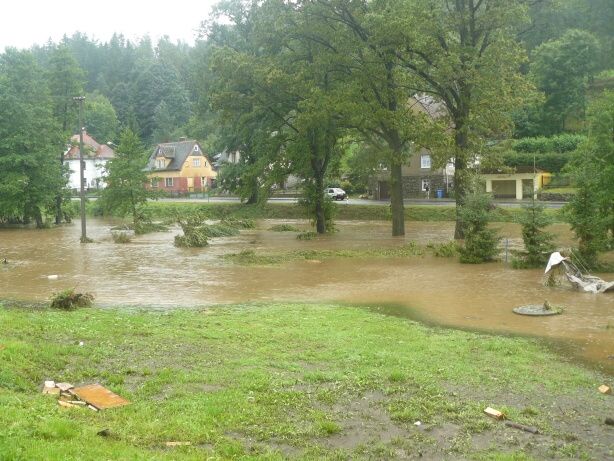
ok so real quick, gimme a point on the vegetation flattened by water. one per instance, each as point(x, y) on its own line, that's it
point(284, 228)
point(197, 232)
point(310, 235)
point(250, 257)
point(289, 381)
point(443, 250)
point(121, 237)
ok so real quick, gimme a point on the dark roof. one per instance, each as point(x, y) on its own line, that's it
point(178, 152)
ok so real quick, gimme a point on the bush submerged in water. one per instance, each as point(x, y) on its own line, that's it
point(284, 228)
point(69, 299)
point(196, 232)
point(121, 237)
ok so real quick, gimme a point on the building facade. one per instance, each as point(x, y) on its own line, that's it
point(180, 167)
point(95, 158)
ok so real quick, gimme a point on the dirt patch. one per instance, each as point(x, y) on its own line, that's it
point(569, 425)
point(363, 421)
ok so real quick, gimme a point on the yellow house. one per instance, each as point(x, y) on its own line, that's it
point(180, 167)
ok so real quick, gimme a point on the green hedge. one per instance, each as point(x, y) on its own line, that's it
point(561, 143)
point(550, 162)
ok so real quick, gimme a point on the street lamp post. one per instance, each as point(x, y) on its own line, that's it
point(79, 100)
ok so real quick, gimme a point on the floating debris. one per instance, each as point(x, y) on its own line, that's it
point(538, 309)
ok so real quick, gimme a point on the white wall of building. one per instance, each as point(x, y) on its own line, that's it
point(93, 173)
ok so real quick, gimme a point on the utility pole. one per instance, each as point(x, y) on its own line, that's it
point(79, 100)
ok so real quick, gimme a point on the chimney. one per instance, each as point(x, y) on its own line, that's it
point(182, 139)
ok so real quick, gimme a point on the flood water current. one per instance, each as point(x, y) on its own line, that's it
point(151, 271)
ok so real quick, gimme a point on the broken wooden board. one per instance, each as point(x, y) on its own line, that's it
point(65, 404)
point(64, 387)
point(178, 444)
point(605, 389)
point(99, 397)
point(494, 413)
point(51, 390)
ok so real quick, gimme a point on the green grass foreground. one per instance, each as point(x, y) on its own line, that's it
point(282, 381)
point(168, 210)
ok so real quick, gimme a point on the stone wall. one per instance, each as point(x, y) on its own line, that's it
point(412, 185)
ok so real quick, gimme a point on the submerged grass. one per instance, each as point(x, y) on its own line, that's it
point(250, 257)
point(287, 381)
point(284, 228)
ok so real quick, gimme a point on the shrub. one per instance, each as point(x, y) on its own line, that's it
point(239, 223)
point(443, 250)
point(284, 228)
point(307, 235)
point(121, 237)
point(194, 233)
point(69, 299)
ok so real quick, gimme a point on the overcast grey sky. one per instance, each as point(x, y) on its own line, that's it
point(26, 22)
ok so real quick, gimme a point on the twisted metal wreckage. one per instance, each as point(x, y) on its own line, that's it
point(574, 275)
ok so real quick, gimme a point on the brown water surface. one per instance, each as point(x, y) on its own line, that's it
point(152, 271)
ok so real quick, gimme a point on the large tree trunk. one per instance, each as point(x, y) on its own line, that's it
point(34, 212)
point(253, 195)
point(396, 199)
point(319, 205)
point(461, 141)
point(58, 198)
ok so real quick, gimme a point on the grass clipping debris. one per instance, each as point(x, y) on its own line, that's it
point(69, 299)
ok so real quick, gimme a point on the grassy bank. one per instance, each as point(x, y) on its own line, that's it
point(288, 381)
point(167, 210)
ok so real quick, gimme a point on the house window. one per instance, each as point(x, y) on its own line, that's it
point(160, 163)
point(203, 181)
point(168, 182)
point(196, 148)
point(196, 162)
point(154, 183)
point(425, 183)
point(425, 161)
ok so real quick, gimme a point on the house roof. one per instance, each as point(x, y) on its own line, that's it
point(92, 149)
point(428, 104)
point(177, 152)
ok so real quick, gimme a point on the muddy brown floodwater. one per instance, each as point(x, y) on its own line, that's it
point(151, 271)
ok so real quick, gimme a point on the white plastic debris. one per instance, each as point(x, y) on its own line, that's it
point(574, 275)
point(53, 277)
point(556, 258)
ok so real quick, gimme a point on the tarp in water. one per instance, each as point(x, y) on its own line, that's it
point(588, 283)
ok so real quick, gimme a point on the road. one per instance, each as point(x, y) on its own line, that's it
point(357, 201)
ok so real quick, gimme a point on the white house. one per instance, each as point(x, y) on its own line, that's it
point(95, 157)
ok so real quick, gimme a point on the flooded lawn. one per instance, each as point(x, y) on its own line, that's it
point(152, 271)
